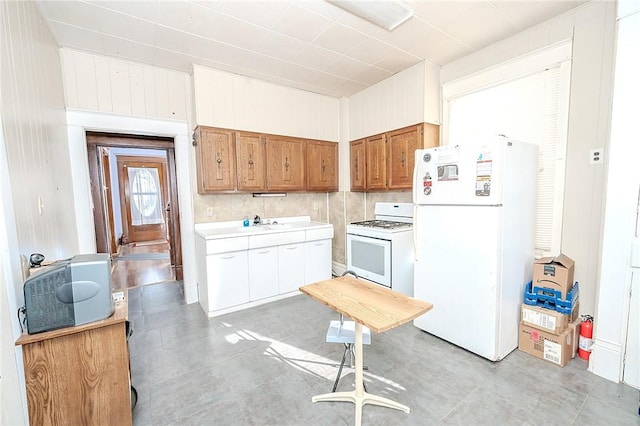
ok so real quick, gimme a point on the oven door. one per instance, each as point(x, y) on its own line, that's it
point(370, 258)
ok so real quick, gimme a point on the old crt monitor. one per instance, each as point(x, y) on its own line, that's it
point(69, 293)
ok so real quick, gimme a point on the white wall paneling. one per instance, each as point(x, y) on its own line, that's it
point(617, 313)
point(35, 178)
point(237, 102)
point(96, 83)
point(408, 97)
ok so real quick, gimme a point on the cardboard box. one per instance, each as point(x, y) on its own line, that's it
point(547, 319)
point(555, 273)
point(558, 349)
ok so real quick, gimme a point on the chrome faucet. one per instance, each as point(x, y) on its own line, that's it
point(256, 220)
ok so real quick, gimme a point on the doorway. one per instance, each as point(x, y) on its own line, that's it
point(136, 217)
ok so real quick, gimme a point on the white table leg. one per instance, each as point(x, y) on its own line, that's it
point(359, 397)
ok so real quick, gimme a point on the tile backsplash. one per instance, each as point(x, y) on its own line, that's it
point(337, 208)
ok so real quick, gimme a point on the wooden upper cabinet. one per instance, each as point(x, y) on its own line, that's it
point(285, 163)
point(215, 160)
point(250, 161)
point(376, 152)
point(401, 147)
point(385, 161)
point(358, 163)
point(322, 166)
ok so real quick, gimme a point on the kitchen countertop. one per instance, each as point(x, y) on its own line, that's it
point(215, 230)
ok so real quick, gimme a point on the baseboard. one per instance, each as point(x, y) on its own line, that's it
point(606, 360)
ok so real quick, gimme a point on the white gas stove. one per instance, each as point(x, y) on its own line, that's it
point(381, 250)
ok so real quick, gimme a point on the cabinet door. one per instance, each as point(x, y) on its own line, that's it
point(401, 145)
point(215, 160)
point(263, 273)
point(358, 165)
point(322, 166)
point(227, 279)
point(376, 162)
point(250, 159)
point(317, 261)
point(285, 163)
point(291, 259)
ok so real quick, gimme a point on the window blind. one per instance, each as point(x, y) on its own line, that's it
point(533, 108)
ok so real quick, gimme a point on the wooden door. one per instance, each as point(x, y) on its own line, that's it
point(401, 147)
point(376, 162)
point(143, 197)
point(322, 166)
point(358, 165)
point(108, 200)
point(285, 163)
point(215, 160)
point(250, 161)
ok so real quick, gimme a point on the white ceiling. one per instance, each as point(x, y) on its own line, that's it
point(306, 44)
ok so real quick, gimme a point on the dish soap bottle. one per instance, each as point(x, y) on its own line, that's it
point(246, 221)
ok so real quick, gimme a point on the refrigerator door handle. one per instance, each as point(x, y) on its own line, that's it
point(416, 233)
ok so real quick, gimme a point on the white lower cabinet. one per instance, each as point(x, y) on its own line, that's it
point(228, 278)
point(263, 273)
point(291, 266)
point(317, 261)
point(237, 272)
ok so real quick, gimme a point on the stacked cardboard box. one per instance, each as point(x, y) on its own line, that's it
point(549, 317)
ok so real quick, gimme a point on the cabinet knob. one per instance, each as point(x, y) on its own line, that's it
point(286, 163)
point(218, 159)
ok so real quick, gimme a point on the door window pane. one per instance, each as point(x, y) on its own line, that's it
point(145, 195)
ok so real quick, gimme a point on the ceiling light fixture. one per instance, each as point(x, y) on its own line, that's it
point(387, 14)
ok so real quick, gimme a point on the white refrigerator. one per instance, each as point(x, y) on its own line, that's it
point(474, 230)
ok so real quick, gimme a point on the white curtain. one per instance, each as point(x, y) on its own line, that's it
point(145, 195)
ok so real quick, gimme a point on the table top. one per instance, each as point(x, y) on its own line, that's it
point(372, 305)
point(120, 314)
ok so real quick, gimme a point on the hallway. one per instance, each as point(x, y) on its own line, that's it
point(140, 264)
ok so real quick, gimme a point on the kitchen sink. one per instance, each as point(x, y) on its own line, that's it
point(278, 226)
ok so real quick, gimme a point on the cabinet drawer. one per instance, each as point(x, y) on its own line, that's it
point(319, 234)
point(276, 239)
point(223, 245)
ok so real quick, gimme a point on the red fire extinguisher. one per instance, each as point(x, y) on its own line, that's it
point(586, 337)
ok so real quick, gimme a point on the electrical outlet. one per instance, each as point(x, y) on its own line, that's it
point(596, 156)
point(210, 211)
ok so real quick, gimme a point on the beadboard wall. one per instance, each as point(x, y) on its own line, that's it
point(36, 189)
point(97, 83)
point(237, 102)
point(409, 97)
point(35, 135)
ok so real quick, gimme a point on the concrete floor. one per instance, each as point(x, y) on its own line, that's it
point(262, 365)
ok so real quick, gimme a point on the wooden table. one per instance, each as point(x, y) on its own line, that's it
point(371, 305)
point(79, 375)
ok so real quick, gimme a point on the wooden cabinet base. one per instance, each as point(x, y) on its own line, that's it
point(79, 375)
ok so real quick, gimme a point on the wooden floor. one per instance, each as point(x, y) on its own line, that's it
point(140, 264)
